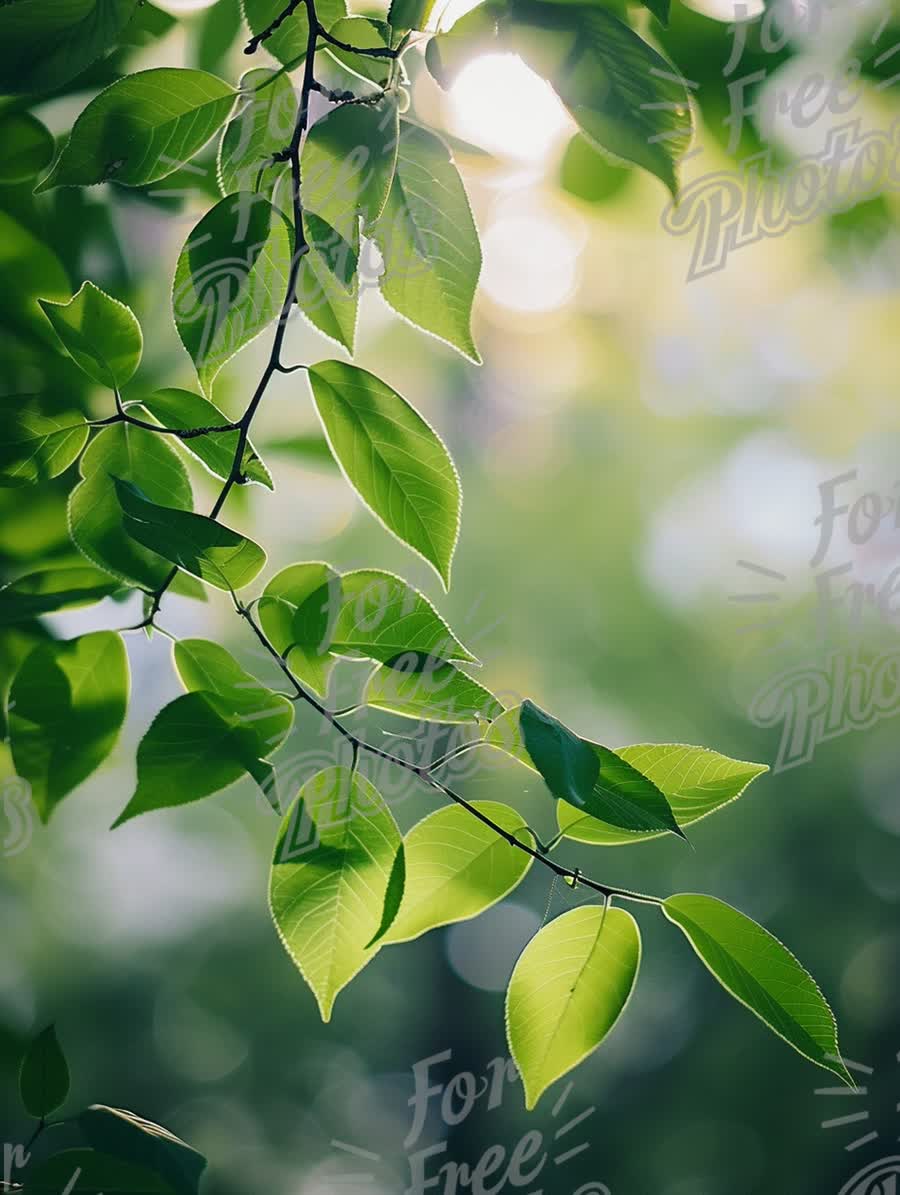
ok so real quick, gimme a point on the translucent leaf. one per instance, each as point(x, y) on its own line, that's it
point(369, 33)
point(35, 447)
point(44, 1075)
point(457, 867)
point(142, 128)
point(569, 988)
point(409, 14)
point(763, 975)
point(394, 460)
point(421, 686)
point(297, 610)
point(473, 34)
point(261, 127)
point(330, 876)
point(101, 334)
point(288, 42)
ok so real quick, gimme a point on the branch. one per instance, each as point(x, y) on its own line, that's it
point(364, 51)
point(190, 433)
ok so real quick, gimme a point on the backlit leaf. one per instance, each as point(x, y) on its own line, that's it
point(53, 589)
point(101, 334)
point(421, 686)
point(35, 447)
point(288, 42)
point(297, 611)
point(261, 127)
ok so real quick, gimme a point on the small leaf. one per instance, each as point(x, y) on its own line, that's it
point(694, 780)
point(762, 974)
point(185, 410)
point(424, 687)
point(261, 127)
point(330, 877)
point(26, 146)
point(567, 764)
point(394, 460)
point(392, 897)
point(141, 1143)
point(297, 611)
point(368, 33)
point(35, 447)
point(142, 128)
point(96, 520)
point(568, 990)
point(101, 334)
point(86, 1172)
point(67, 704)
point(457, 867)
point(404, 15)
point(230, 280)
point(429, 242)
point(198, 544)
point(53, 589)
point(44, 1076)
point(288, 43)
point(322, 297)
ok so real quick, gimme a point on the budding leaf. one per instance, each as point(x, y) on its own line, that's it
point(261, 127)
point(395, 461)
point(763, 975)
point(101, 334)
point(44, 1075)
point(569, 988)
point(368, 33)
point(393, 896)
point(457, 867)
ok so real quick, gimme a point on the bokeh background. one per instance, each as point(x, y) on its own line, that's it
point(632, 436)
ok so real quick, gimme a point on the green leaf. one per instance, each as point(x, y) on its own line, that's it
point(380, 617)
point(86, 1172)
point(473, 34)
point(101, 334)
point(659, 8)
point(35, 447)
point(142, 128)
point(53, 589)
point(230, 280)
point(66, 707)
point(46, 43)
point(262, 126)
point(185, 410)
point(348, 164)
point(621, 796)
point(429, 242)
point(393, 896)
point(457, 867)
point(762, 974)
point(404, 15)
point(205, 667)
point(141, 1143)
point(44, 1075)
point(288, 42)
point(591, 175)
point(422, 686)
point(567, 764)
point(330, 877)
point(624, 96)
point(322, 297)
point(26, 146)
point(694, 780)
point(368, 33)
point(395, 461)
point(569, 988)
point(297, 611)
point(95, 516)
point(198, 544)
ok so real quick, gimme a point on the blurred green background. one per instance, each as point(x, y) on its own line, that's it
point(630, 438)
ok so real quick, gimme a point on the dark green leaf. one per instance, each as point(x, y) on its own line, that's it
point(231, 280)
point(53, 589)
point(404, 15)
point(420, 686)
point(35, 447)
point(297, 611)
point(141, 1143)
point(142, 128)
point(44, 1075)
point(85, 1172)
point(392, 897)
point(395, 461)
point(261, 127)
point(26, 146)
point(101, 334)
point(567, 764)
point(198, 544)
point(67, 704)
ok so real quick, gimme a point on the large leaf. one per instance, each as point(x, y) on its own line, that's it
point(763, 975)
point(142, 1143)
point(86, 1172)
point(142, 128)
point(96, 520)
point(380, 617)
point(218, 732)
point(624, 95)
point(288, 43)
point(35, 447)
point(44, 1075)
point(261, 127)
point(424, 687)
point(26, 146)
point(570, 986)
point(53, 589)
point(46, 43)
point(67, 704)
point(101, 334)
point(185, 410)
point(694, 780)
point(330, 876)
point(200, 545)
point(231, 280)
point(457, 867)
point(621, 795)
point(297, 611)
point(429, 242)
point(395, 461)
